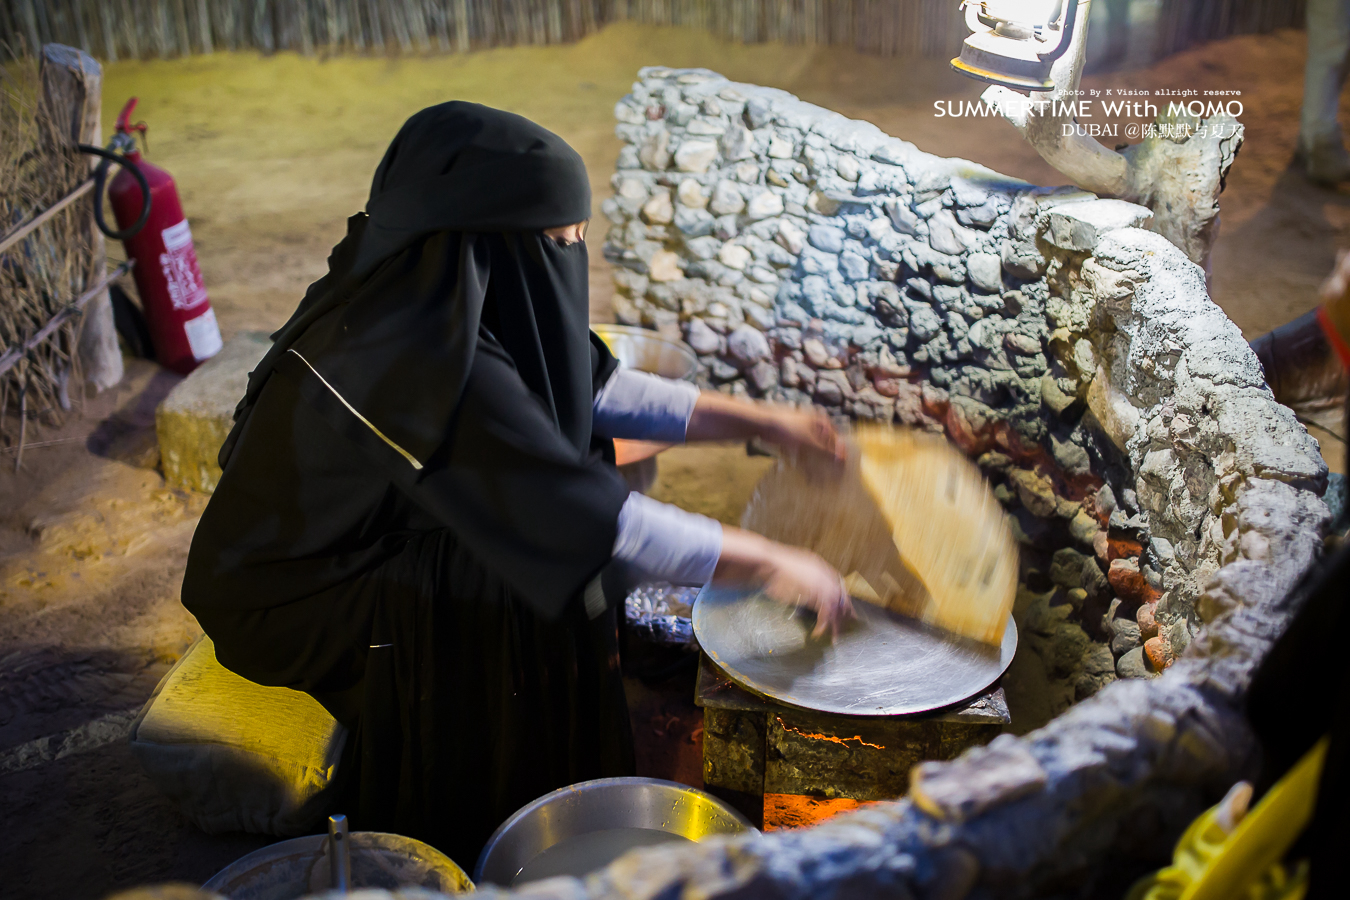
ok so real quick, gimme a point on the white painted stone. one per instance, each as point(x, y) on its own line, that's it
point(193, 420)
point(628, 113)
point(879, 228)
point(738, 143)
point(747, 345)
point(747, 173)
point(705, 247)
point(703, 125)
point(766, 204)
point(681, 113)
point(1118, 416)
point(734, 256)
point(654, 151)
point(658, 210)
point(691, 194)
point(986, 272)
point(790, 237)
point(945, 234)
point(847, 167)
point(701, 338)
point(632, 189)
point(779, 147)
point(664, 266)
point(1080, 225)
point(695, 156)
point(726, 199)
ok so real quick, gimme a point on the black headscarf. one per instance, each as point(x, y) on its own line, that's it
point(393, 326)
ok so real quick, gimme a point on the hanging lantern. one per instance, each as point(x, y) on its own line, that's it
point(1015, 42)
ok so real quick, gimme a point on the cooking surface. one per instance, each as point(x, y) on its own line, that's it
point(880, 664)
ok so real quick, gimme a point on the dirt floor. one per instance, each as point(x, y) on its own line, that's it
point(271, 155)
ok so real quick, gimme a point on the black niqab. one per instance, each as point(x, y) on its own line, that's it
point(413, 317)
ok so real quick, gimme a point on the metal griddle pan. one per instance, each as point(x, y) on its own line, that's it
point(881, 664)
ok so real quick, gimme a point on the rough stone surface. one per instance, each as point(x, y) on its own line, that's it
point(1132, 664)
point(982, 778)
point(192, 422)
point(1080, 225)
point(1112, 404)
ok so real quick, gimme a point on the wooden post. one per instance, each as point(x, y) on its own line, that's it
point(72, 84)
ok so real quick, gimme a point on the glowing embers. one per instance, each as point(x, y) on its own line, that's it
point(820, 736)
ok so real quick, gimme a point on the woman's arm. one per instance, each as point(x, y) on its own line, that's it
point(717, 417)
point(665, 543)
point(639, 406)
point(790, 575)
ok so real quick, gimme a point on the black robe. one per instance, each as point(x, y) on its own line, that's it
point(412, 505)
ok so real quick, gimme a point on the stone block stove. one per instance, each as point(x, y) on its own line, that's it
point(1165, 503)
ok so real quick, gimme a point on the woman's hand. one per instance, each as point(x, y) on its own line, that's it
point(809, 434)
point(789, 575)
point(801, 578)
point(805, 433)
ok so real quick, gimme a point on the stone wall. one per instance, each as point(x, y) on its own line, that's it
point(811, 258)
point(1063, 345)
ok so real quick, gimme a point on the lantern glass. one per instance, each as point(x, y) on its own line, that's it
point(1034, 13)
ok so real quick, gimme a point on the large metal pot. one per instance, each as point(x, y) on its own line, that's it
point(645, 351)
point(606, 803)
point(300, 866)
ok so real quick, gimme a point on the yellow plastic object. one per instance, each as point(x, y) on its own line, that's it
point(234, 755)
point(1226, 855)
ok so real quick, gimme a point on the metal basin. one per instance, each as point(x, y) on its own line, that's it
point(300, 866)
point(647, 351)
point(600, 805)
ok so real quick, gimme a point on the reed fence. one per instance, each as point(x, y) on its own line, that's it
point(50, 266)
point(141, 29)
point(121, 29)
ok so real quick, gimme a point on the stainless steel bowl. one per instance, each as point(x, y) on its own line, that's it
point(599, 805)
point(300, 866)
point(647, 351)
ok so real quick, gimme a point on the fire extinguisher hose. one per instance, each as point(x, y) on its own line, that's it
point(100, 176)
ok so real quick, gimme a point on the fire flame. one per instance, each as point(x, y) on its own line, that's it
point(815, 736)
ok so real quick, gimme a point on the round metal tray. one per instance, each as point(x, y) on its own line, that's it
point(881, 664)
point(601, 804)
point(300, 867)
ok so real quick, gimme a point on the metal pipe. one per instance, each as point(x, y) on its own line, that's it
point(340, 853)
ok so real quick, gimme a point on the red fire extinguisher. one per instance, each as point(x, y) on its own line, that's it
point(178, 312)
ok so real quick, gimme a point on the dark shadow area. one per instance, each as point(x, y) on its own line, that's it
point(128, 435)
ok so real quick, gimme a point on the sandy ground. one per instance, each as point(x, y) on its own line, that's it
point(271, 155)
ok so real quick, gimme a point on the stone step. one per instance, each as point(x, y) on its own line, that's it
point(194, 419)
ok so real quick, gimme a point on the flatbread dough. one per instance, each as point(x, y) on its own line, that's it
point(911, 521)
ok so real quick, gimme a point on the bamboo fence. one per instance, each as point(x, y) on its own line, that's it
point(46, 253)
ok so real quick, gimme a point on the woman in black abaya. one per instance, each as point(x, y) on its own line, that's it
point(418, 497)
